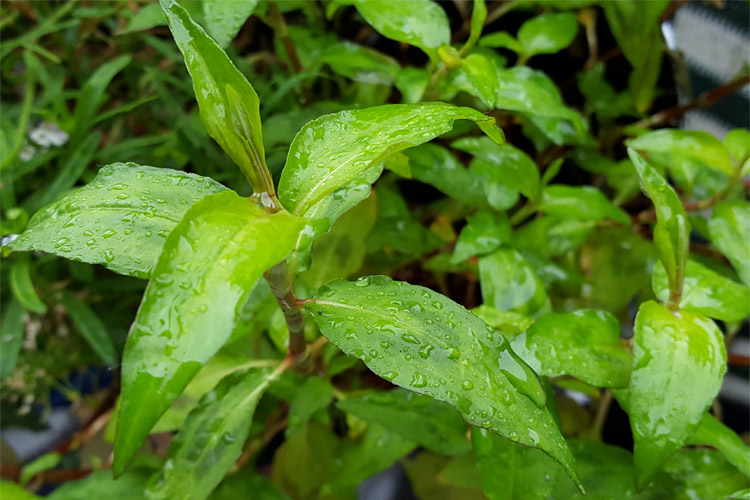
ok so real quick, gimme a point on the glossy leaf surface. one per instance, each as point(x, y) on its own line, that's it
point(509, 284)
point(340, 148)
point(484, 232)
point(679, 363)
point(120, 220)
point(530, 91)
point(224, 18)
point(209, 265)
point(672, 230)
point(730, 233)
point(714, 433)
point(229, 106)
point(437, 166)
point(424, 342)
point(680, 145)
point(580, 202)
point(706, 292)
point(548, 33)
point(23, 288)
point(212, 437)
point(421, 23)
point(427, 422)
point(585, 344)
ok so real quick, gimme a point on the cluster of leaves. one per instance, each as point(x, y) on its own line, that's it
point(220, 351)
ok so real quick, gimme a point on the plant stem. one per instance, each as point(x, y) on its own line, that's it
point(289, 303)
point(276, 19)
point(601, 413)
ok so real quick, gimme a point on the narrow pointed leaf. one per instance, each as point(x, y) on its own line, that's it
point(730, 233)
point(672, 230)
point(229, 106)
point(23, 288)
point(212, 437)
point(11, 337)
point(120, 220)
point(224, 18)
point(478, 16)
point(91, 328)
point(426, 343)
point(340, 148)
point(509, 284)
point(706, 292)
point(679, 363)
point(209, 265)
point(429, 423)
point(585, 344)
point(714, 433)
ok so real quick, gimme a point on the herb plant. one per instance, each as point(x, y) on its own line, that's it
point(482, 392)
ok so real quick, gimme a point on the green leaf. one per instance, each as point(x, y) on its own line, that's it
point(548, 33)
point(737, 143)
point(509, 323)
point(706, 292)
point(679, 363)
point(635, 26)
point(509, 284)
point(480, 76)
point(741, 494)
point(585, 344)
point(130, 486)
point(672, 230)
point(340, 148)
point(501, 39)
point(224, 18)
point(149, 16)
point(529, 91)
point(409, 335)
point(212, 437)
point(675, 146)
point(484, 232)
point(11, 337)
point(713, 433)
point(729, 232)
point(238, 485)
point(45, 462)
point(426, 473)
point(437, 166)
point(478, 16)
point(12, 491)
point(314, 394)
point(518, 171)
point(580, 202)
point(361, 64)
point(421, 23)
point(91, 328)
point(429, 423)
point(23, 288)
point(209, 265)
point(119, 220)
point(412, 83)
point(229, 106)
point(552, 236)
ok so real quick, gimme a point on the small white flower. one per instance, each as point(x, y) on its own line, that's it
point(48, 134)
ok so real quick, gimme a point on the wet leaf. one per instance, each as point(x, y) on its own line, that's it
point(478, 16)
point(706, 292)
point(23, 288)
point(229, 106)
point(427, 422)
point(672, 230)
point(585, 344)
point(224, 18)
point(340, 148)
point(679, 363)
point(674, 146)
point(209, 265)
point(120, 220)
point(509, 284)
point(212, 437)
point(529, 91)
point(437, 166)
point(580, 202)
point(484, 232)
point(480, 76)
point(11, 337)
point(412, 337)
point(517, 170)
point(509, 323)
point(91, 328)
point(421, 23)
point(714, 433)
point(730, 233)
point(548, 33)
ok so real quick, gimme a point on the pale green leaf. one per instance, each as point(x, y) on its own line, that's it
point(224, 18)
point(361, 64)
point(580, 202)
point(679, 363)
point(501, 39)
point(509, 323)
point(429, 423)
point(130, 486)
point(119, 220)
point(714, 433)
point(509, 284)
point(211, 438)
point(729, 228)
point(229, 106)
point(424, 342)
point(437, 166)
point(45, 462)
point(737, 143)
point(548, 33)
point(23, 288)
point(209, 265)
point(585, 344)
point(706, 292)
point(338, 149)
point(412, 83)
point(674, 145)
point(478, 16)
point(480, 75)
point(484, 232)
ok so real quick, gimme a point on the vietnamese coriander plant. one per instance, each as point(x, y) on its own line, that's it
point(481, 392)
